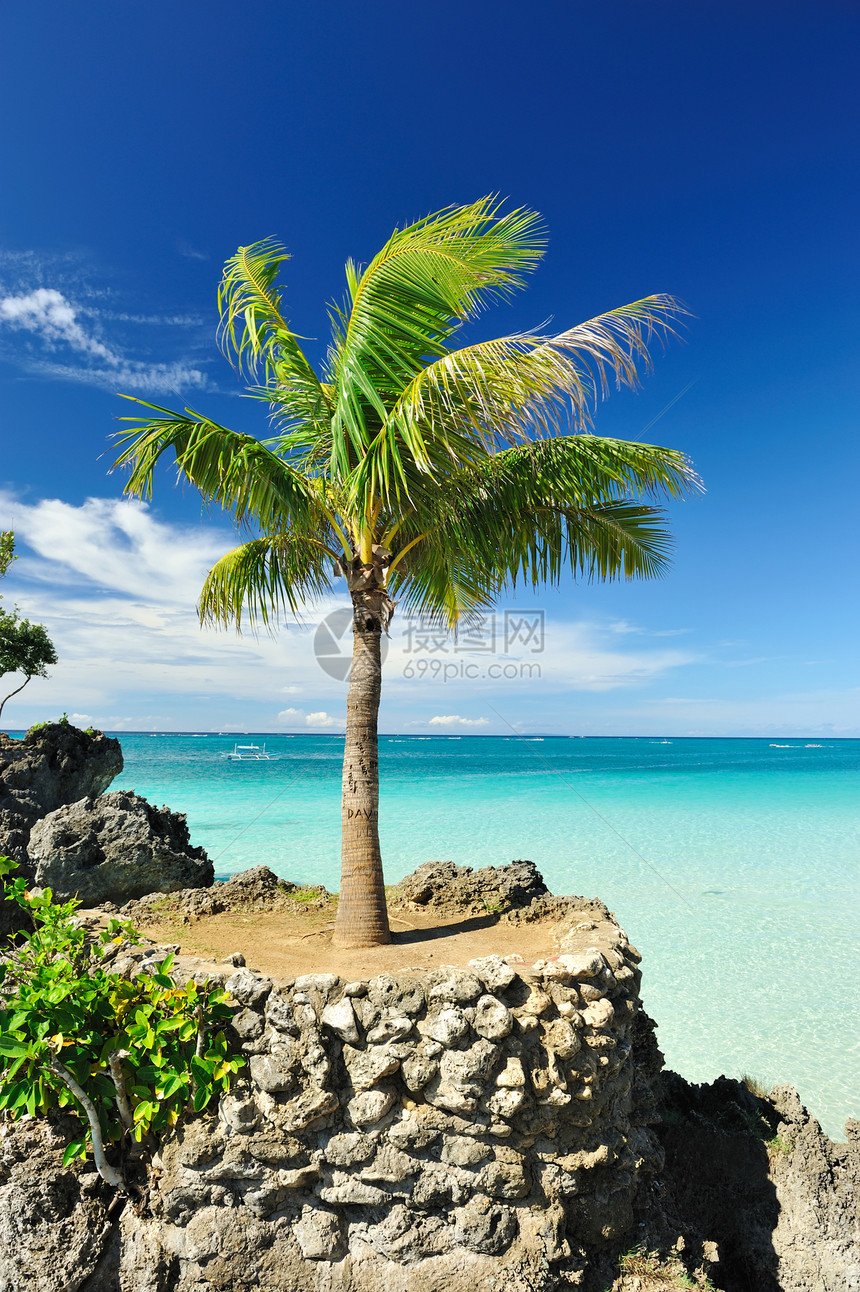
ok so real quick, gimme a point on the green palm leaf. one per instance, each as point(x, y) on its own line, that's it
point(403, 307)
point(236, 471)
point(253, 331)
point(265, 577)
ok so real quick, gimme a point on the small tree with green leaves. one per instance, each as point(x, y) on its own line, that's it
point(24, 647)
point(7, 550)
point(129, 1056)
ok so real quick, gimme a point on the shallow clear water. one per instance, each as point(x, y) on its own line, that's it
point(735, 873)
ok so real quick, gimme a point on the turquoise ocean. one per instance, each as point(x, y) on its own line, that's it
point(732, 864)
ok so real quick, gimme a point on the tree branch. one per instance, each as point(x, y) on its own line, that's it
point(117, 1076)
point(200, 1047)
point(15, 692)
point(107, 1172)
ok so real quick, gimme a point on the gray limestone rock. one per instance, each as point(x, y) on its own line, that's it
point(369, 1107)
point(280, 1014)
point(53, 766)
point(492, 1019)
point(448, 1026)
point(114, 848)
point(392, 996)
point(447, 887)
point(248, 988)
point(390, 1029)
point(275, 1071)
point(366, 1067)
point(319, 1234)
point(324, 983)
point(483, 1226)
point(454, 987)
point(340, 1018)
point(493, 971)
point(459, 1150)
point(347, 1149)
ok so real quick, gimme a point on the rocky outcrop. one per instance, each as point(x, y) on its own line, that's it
point(53, 765)
point(114, 848)
point(516, 891)
point(53, 1222)
point(446, 887)
point(489, 1127)
point(474, 1128)
point(753, 1190)
point(257, 889)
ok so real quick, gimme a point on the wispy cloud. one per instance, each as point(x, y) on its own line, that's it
point(454, 720)
point(48, 312)
point(170, 378)
point(47, 330)
point(117, 587)
point(156, 320)
point(189, 252)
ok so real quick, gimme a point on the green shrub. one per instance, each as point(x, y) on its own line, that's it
point(129, 1055)
point(50, 722)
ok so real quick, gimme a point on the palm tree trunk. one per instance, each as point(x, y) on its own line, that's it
point(362, 917)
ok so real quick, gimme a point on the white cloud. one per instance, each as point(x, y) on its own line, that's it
point(575, 656)
point(133, 375)
point(116, 544)
point(50, 315)
point(47, 311)
point(323, 719)
point(319, 720)
point(159, 320)
point(454, 720)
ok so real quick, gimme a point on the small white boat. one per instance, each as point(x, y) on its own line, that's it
point(251, 754)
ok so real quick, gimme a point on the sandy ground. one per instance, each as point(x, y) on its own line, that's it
point(283, 944)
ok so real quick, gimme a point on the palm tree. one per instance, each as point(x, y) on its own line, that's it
point(422, 474)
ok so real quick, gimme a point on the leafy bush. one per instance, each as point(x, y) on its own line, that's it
point(50, 722)
point(129, 1055)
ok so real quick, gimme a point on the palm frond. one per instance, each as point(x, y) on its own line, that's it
point(444, 584)
point(236, 471)
point(533, 512)
point(516, 388)
point(265, 577)
point(253, 330)
point(402, 308)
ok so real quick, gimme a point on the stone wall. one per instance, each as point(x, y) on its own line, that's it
point(466, 1128)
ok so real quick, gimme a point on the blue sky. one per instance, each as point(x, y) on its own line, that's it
point(705, 150)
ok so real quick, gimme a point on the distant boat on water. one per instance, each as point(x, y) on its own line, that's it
point(251, 754)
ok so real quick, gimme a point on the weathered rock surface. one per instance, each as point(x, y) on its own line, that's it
point(357, 1153)
point(258, 889)
point(516, 891)
point(114, 848)
point(53, 1222)
point(493, 1127)
point(754, 1189)
point(446, 887)
point(52, 766)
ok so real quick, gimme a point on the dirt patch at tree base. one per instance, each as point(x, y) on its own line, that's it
point(282, 944)
point(441, 914)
